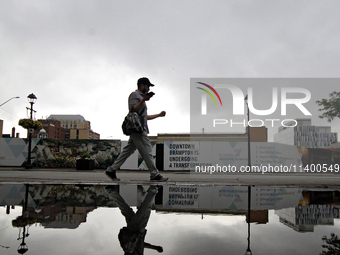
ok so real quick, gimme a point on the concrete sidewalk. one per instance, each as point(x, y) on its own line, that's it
point(97, 177)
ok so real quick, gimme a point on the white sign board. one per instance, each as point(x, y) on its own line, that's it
point(203, 155)
point(181, 155)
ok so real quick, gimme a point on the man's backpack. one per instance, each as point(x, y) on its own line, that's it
point(133, 123)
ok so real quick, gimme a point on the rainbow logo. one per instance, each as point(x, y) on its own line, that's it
point(209, 93)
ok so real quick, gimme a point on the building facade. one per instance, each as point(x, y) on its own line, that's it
point(1, 127)
point(53, 129)
point(306, 135)
point(76, 127)
point(83, 134)
point(71, 121)
point(257, 134)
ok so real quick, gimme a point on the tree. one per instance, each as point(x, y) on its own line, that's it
point(332, 245)
point(331, 106)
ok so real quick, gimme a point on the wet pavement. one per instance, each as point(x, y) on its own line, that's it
point(66, 176)
point(67, 211)
point(170, 219)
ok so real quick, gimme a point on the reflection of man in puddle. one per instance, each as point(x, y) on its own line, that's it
point(132, 236)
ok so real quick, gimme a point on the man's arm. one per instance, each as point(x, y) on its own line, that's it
point(153, 247)
point(139, 105)
point(161, 114)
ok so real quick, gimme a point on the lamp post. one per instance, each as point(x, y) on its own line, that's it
point(31, 99)
point(8, 101)
point(249, 159)
point(248, 251)
point(23, 248)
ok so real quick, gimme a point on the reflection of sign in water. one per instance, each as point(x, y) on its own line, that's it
point(230, 197)
point(262, 198)
point(275, 198)
point(180, 196)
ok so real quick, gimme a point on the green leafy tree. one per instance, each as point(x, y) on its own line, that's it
point(331, 106)
point(332, 245)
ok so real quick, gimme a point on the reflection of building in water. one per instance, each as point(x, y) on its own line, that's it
point(259, 217)
point(71, 218)
point(322, 197)
point(67, 206)
point(60, 217)
point(304, 218)
point(45, 214)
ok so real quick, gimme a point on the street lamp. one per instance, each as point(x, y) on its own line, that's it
point(8, 101)
point(31, 99)
point(23, 246)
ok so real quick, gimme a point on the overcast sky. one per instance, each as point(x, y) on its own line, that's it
point(84, 57)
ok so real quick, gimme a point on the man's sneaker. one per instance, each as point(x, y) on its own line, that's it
point(159, 178)
point(112, 175)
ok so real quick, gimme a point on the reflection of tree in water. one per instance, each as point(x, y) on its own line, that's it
point(332, 245)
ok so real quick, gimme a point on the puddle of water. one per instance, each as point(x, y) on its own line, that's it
point(73, 219)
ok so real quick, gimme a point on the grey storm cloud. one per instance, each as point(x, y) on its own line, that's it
point(84, 57)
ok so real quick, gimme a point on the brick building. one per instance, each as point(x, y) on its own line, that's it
point(53, 129)
point(76, 127)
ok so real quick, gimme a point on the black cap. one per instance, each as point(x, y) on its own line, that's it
point(144, 81)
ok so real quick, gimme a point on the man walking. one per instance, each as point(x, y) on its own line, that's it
point(139, 141)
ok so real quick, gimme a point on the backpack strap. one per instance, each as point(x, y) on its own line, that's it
point(141, 114)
